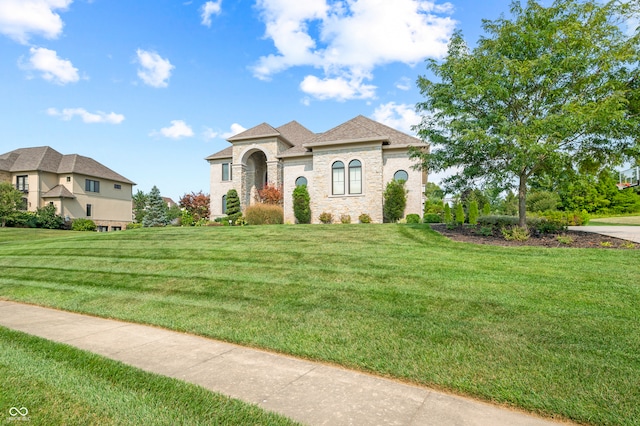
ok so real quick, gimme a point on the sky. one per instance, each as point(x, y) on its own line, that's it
point(149, 88)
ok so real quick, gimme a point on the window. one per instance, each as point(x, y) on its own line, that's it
point(224, 204)
point(89, 210)
point(226, 171)
point(117, 186)
point(91, 185)
point(22, 184)
point(337, 178)
point(68, 178)
point(355, 177)
point(301, 181)
point(401, 175)
point(24, 205)
point(116, 228)
point(103, 228)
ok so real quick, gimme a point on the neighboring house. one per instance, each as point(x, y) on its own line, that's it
point(346, 169)
point(169, 202)
point(79, 187)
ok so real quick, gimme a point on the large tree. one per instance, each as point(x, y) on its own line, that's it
point(156, 213)
point(10, 202)
point(551, 87)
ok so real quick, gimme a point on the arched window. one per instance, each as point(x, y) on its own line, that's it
point(355, 177)
point(224, 204)
point(401, 175)
point(301, 181)
point(337, 178)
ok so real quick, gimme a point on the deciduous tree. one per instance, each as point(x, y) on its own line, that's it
point(10, 201)
point(197, 204)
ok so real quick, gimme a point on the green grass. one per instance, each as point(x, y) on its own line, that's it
point(553, 331)
point(58, 384)
point(615, 220)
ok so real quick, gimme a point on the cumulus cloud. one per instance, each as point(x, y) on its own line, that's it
point(347, 39)
point(399, 116)
point(404, 83)
point(88, 117)
point(178, 130)
point(19, 19)
point(154, 70)
point(52, 68)
point(208, 9)
point(235, 129)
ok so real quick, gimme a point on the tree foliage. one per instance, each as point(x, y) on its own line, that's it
point(139, 206)
point(550, 88)
point(270, 194)
point(301, 207)
point(10, 201)
point(395, 201)
point(197, 204)
point(233, 205)
point(47, 217)
point(156, 212)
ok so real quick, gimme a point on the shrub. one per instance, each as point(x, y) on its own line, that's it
point(538, 201)
point(301, 208)
point(326, 217)
point(364, 218)
point(498, 221)
point(431, 218)
point(134, 225)
point(345, 218)
point(263, 214)
point(395, 201)
point(473, 213)
point(47, 218)
point(486, 209)
point(413, 218)
point(83, 225)
point(270, 194)
point(564, 239)
point(459, 214)
point(187, 218)
point(485, 231)
point(233, 206)
point(515, 233)
point(241, 221)
point(447, 214)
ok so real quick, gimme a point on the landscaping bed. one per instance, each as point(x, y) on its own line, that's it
point(576, 239)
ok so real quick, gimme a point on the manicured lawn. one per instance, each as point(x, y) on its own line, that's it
point(554, 331)
point(620, 220)
point(57, 385)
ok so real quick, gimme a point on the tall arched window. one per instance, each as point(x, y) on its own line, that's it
point(355, 177)
point(224, 204)
point(337, 178)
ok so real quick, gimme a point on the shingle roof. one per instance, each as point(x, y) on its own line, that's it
point(225, 153)
point(47, 159)
point(295, 133)
point(58, 191)
point(263, 130)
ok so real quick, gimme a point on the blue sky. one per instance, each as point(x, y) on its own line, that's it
point(150, 88)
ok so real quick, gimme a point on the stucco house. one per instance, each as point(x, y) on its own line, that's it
point(79, 187)
point(346, 169)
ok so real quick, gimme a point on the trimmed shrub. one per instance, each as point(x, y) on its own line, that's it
point(459, 214)
point(301, 208)
point(473, 212)
point(364, 218)
point(134, 225)
point(486, 209)
point(263, 214)
point(345, 218)
point(413, 218)
point(47, 218)
point(395, 201)
point(447, 214)
point(515, 233)
point(498, 221)
point(83, 225)
point(326, 218)
point(431, 218)
point(233, 206)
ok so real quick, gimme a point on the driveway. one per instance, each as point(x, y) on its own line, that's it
point(629, 233)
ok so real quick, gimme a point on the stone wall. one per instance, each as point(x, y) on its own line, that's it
point(398, 159)
point(293, 169)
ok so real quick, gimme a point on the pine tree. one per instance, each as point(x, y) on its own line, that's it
point(473, 212)
point(156, 210)
point(459, 210)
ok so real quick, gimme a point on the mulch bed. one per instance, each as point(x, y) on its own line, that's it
point(471, 234)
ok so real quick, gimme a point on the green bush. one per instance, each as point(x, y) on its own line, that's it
point(432, 218)
point(486, 209)
point(83, 225)
point(263, 214)
point(345, 218)
point(473, 213)
point(233, 206)
point(498, 221)
point(47, 218)
point(301, 208)
point(134, 225)
point(364, 218)
point(326, 218)
point(446, 215)
point(459, 210)
point(395, 201)
point(515, 233)
point(413, 218)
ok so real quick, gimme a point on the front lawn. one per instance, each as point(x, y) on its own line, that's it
point(554, 331)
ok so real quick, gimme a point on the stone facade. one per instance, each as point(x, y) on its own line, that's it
point(281, 156)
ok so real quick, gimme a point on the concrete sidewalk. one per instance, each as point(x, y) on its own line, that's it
point(629, 233)
point(311, 393)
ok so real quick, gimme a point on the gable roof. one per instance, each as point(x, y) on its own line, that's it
point(47, 159)
point(58, 191)
point(295, 133)
point(263, 130)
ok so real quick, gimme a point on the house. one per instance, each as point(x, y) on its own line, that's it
point(79, 187)
point(346, 169)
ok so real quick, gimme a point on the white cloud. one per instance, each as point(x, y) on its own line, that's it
point(235, 129)
point(178, 130)
point(398, 116)
point(209, 134)
point(21, 18)
point(54, 69)
point(88, 117)
point(338, 88)
point(208, 9)
point(353, 37)
point(155, 70)
point(404, 83)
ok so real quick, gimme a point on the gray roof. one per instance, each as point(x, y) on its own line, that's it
point(263, 130)
point(225, 153)
point(47, 159)
point(58, 191)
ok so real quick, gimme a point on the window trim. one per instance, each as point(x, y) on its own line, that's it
point(229, 172)
point(224, 204)
point(398, 171)
point(91, 185)
point(89, 210)
point(358, 168)
point(306, 181)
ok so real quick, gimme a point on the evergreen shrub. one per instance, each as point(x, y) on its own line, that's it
point(364, 218)
point(413, 218)
point(83, 225)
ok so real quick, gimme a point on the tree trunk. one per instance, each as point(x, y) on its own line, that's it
point(522, 202)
